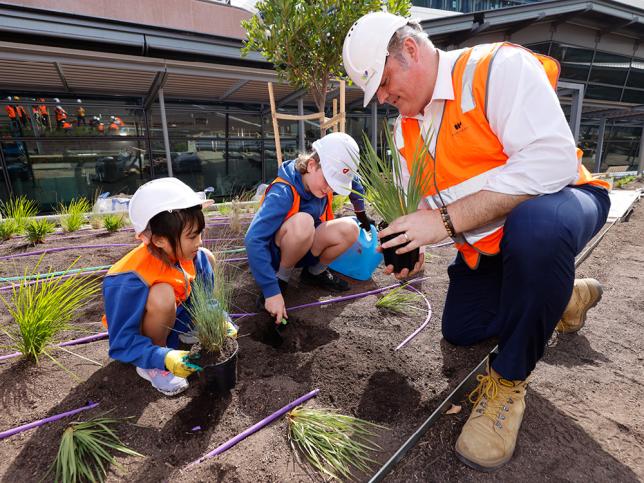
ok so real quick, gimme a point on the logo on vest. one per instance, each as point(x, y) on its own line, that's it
point(345, 170)
point(458, 125)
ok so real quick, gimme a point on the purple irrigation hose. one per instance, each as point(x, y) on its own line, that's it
point(255, 427)
point(423, 325)
point(337, 299)
point(82, 247)
point(41, 422)
point(82, 340)
point(62, 249)
point(31, 282)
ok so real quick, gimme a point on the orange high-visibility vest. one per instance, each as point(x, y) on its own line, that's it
point(21, 112)
point(60, 114)
point(466, 147)
point(43, 109)
point(295, 207)
point(152, 270)
point(11, 111)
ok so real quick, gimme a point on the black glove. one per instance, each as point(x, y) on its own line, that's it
point(364, 221)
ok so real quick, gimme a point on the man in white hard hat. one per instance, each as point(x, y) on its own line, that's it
point(295, 226)
point(507, 188)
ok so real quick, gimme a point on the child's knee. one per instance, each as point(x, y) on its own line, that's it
point(301, 228)
point(161, 301)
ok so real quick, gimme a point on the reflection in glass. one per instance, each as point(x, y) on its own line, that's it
point(53, 172)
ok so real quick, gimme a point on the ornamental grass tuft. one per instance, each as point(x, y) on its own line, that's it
point(86, 451)
point(8, 228)
point(113, 223)
point(382, 180)
point(72, 216)
point(37, 230)
point(208, 308)
point(334, 444)
point(401, 300)
point(43, 309)
point(20, 209)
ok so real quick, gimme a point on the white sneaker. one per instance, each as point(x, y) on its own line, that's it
point(163, 381)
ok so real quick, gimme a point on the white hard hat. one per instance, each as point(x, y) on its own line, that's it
point(365, 49)
point(339, 157)
point(159, 195)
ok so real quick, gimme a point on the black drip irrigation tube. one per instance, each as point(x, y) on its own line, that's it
point(467, 384)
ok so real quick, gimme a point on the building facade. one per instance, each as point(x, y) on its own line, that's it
point(99, 99)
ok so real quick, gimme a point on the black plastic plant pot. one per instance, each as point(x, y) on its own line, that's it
point(406, 260)
point(222, 377)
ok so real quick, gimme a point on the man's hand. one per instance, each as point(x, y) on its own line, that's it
point(420, 228)
point(175, 362)
point(275, 306)
point(364, 221)
point(405, 273)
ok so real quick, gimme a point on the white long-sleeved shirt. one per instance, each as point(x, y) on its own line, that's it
point(524, 112)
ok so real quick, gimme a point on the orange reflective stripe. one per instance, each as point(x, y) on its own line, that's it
point(295, 207)
point(490, 245)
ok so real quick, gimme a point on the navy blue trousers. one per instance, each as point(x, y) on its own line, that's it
point(520, 294)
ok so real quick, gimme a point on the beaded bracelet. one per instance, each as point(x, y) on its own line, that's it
point(447, 221)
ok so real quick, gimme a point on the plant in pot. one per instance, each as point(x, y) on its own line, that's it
point(388, 196)
point(216, 348)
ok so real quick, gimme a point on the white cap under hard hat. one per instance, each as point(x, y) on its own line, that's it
point(365, 49)
point(159, 195)
point(339, 157)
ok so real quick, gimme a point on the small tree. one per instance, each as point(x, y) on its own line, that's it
point(303, 38)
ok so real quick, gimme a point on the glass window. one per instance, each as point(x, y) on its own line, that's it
point(244, 125)
point(56, 117)
point(189, 120)
point(56, 171)
point(621, 154)
point(604, 92)
point(636, 75)
point(288, 129)
point(609, 69)
point(634, 96)
point(575, 61)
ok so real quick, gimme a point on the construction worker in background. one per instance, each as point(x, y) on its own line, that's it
point(44, 113)
point(61, 115)
point(80, 116)
point(507, 187)
point(13, 116)
point(23, 117)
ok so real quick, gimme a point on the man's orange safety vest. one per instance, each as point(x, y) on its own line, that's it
point(11, 111)
point(467, 148)
point(295, 207)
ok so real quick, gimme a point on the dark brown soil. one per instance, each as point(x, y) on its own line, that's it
point(584, 419)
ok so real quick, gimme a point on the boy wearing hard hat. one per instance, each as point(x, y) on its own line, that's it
point(294, 225)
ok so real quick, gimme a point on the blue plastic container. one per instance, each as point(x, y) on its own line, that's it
point(361, 259)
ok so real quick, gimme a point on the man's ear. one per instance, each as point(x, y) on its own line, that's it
point(411, 47)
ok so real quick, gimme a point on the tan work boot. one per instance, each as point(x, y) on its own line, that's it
point(489, 436)
point(586, 293)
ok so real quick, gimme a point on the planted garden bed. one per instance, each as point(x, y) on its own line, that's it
point(347, 351)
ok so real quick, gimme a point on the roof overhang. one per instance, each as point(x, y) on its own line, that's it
point(603, 16)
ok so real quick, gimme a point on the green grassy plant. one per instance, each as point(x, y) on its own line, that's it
point(113, 222)
point(208, 308)
point(338, 203)
point(225, 209)
point(86, 451)
point(618, 183)
point(8, 228)
point(72, 216)
point(334, 444)
point(45, 308)
point(380, 179)
point(37, 230)
point(401, 300)
point(20, 209)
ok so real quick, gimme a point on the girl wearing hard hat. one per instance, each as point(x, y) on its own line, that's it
point(145, 292)
point(294, 224)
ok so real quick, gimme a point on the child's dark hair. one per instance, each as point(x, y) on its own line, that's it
point(171, 224)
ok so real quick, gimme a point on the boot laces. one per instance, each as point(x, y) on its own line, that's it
point(492, 399)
